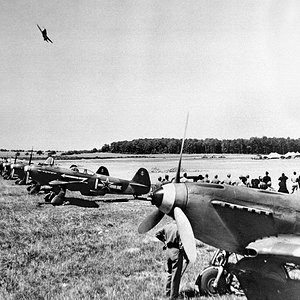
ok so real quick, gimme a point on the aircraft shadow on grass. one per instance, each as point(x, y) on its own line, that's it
point(76, 202)
point(86, 203)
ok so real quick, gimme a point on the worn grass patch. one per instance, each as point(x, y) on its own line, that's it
point(72, 252)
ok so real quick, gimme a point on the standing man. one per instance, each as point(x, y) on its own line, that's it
point(215, 180)
point(294, 180)
point(184, 178)
point(206, 179)
point(266, 178)
point(228, 179)
point(166, 179)
point(176, 258)
point(282, 184)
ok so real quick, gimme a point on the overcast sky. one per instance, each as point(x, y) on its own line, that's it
point(120, 70)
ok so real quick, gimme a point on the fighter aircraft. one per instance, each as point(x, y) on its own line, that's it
point(87, 182)
point(44, 34)
point(260, 225)
point(17, 169)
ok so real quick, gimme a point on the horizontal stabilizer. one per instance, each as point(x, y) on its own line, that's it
point(135, 184)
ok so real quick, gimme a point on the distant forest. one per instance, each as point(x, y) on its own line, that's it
point(254, 145)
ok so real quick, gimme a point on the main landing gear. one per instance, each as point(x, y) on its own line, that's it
point(56, 198)
point(217, 279)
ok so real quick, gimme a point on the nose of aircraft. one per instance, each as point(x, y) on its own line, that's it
point(171, 199)
point(27, 168)
point(170, 196)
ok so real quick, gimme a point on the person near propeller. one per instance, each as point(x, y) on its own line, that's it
point(176, 258)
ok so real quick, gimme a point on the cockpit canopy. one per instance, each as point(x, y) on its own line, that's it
point(81, 170)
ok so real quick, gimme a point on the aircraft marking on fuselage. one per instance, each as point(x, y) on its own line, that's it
point(73, 177)
point(106, 184)
point(47, 172)
point(241, 207)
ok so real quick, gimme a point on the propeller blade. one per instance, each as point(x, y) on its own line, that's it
point(151, 221)
point(30, 158)
point(26, 177)
point(16, 158)
point(177, 177)
point(186, 234)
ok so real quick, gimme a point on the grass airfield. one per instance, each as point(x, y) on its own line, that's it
point(91, 249)
point(78, 252)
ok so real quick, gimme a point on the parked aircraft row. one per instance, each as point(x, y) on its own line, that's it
point(56, 180)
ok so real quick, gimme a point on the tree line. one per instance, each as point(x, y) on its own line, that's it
point(254, 145)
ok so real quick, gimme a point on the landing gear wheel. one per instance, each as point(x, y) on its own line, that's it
point(49, 197)
point(35, 189)
point(205, 283)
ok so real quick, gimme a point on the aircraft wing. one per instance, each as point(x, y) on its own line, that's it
point(135, 184)
point(39, 28)
point(60, 183)
point(286, 247)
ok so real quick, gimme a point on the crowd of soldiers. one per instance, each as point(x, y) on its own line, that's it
point(261, 182)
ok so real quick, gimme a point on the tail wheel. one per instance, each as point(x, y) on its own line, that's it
point(49, 197)
point(206, 280)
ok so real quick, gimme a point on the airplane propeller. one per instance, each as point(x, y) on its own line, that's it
point(177, 177)
point(183, 224)
point(186, 234)
point(26, 169)
point(12, 172)
point(151, 221)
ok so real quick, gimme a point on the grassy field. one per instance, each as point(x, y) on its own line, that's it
point(81, 251)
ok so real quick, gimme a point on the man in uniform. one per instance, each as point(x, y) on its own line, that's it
point(176, 258)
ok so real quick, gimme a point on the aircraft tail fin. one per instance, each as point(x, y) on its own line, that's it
point(103, 171)
point(141, 182)
point(49, 161)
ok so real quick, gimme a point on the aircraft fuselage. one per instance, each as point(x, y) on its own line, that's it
point(86, 182)
point(230, 218)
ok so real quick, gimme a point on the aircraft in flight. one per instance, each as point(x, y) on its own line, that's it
point(44, 34)
point(88, 183)
point(262, 226)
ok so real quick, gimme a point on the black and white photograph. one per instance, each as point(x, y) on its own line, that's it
point(149, 150)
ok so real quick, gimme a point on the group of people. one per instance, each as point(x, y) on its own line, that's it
point(261, 182)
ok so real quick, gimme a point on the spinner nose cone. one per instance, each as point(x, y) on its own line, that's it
point(169, 196)
point(157, 197)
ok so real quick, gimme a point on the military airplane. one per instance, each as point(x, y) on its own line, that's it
point(44, 34)
point(17, 169)
point(6, 168)
point(262, 226)
point(86, 182)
